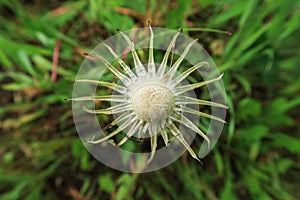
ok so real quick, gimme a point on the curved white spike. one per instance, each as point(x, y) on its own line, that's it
point(182, 89)
point(122, 63)
point(153, 141)
point(189, 124)
point(111, 110)
point(162, 68)
point(140, 69)
point(131, 132)
point(120, 118)
point(187, 72)
point(189, 100)
point(171, 73)
point(151, 64)
point(196, 112)
point(164, 135)
point(118, 130)
point(125, 80)
point(174, 130)
point(139, 134)
point(113, 98)
point(113, 86)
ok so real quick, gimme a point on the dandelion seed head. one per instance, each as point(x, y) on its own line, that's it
point(152, 100)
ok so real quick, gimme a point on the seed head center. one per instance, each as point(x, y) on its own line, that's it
point(153, 102)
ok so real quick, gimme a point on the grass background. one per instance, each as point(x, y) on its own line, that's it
point(257, 156)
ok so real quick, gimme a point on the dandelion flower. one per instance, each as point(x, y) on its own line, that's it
point(151, 100)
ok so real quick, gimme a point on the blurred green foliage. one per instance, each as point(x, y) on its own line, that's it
point(258, 154)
